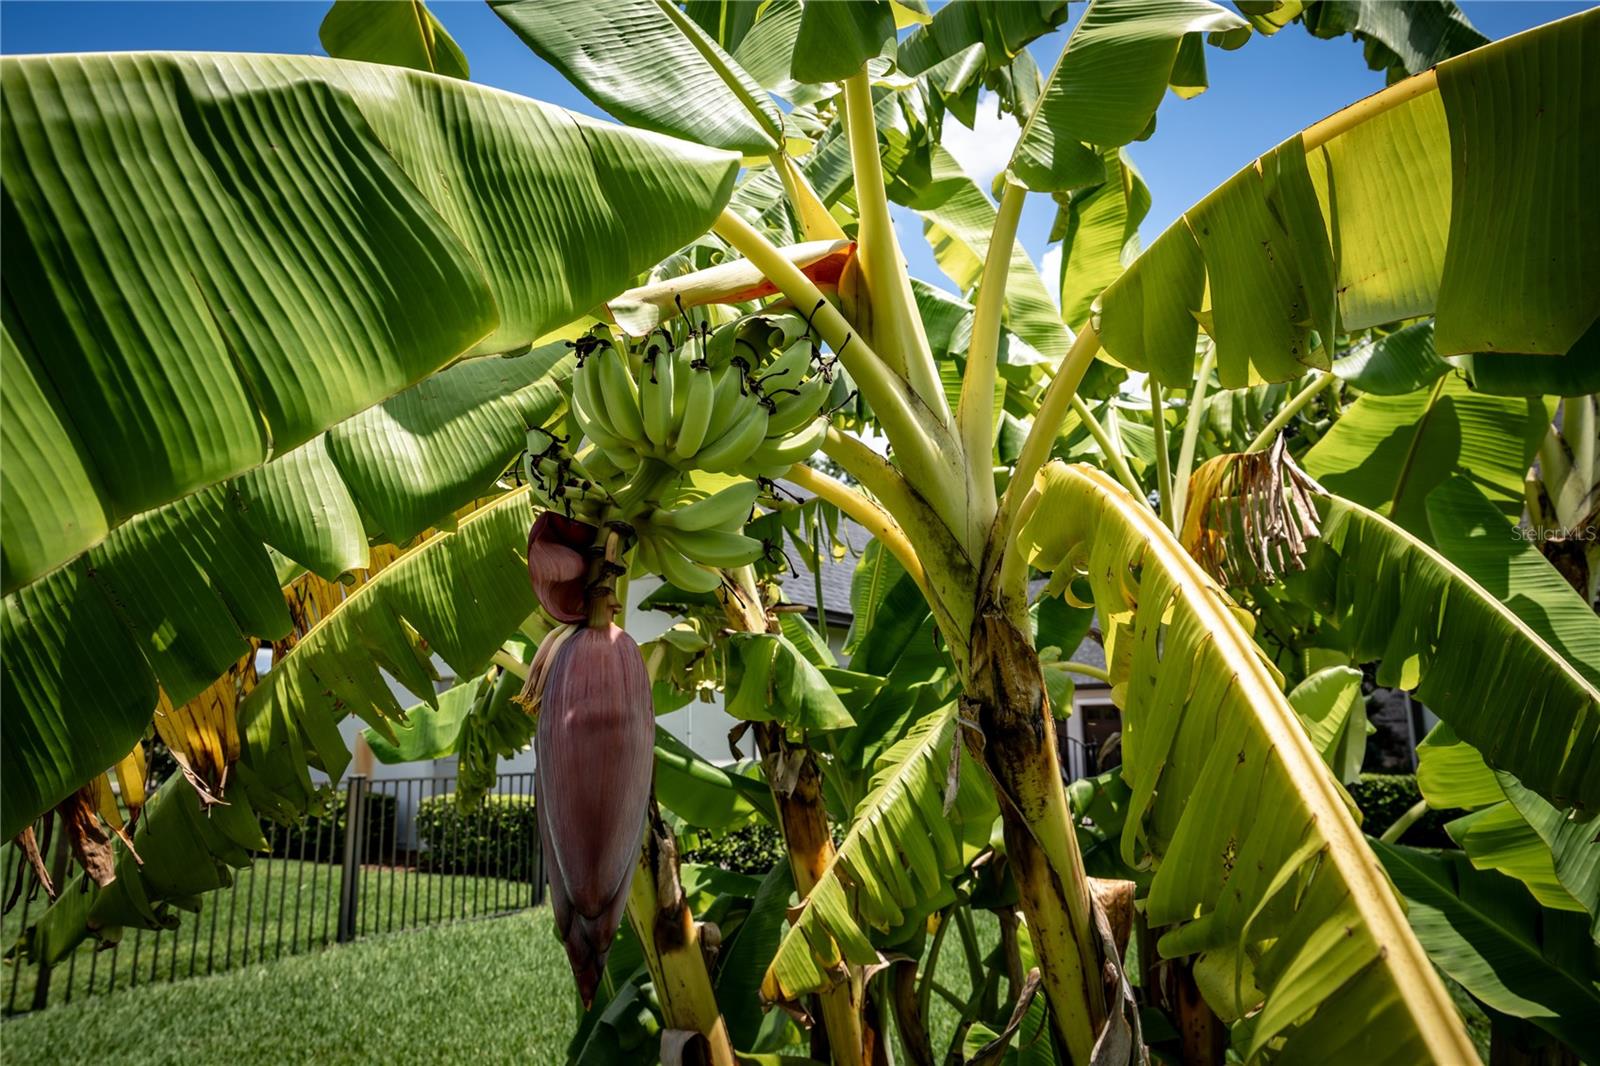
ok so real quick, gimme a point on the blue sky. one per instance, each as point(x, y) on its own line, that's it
point(1259, 94)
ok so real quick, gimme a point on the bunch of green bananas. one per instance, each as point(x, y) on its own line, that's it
point(748, 398)
point(692, 534)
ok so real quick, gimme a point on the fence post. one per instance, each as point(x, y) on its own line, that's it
point(537, 895)
point(350, 868)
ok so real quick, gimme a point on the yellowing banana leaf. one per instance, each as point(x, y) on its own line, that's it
point(1423, 199)
point(1257, 859)
point(210, 258)
point(1384, 594)
point(651, 66)
point(914, 829)
point(402, 34)
point(1485, 931)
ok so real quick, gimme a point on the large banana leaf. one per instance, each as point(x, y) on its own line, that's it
point(1511, 829)
point(1399, 38)
point(211, 258)
point(1390, 452)
point(1104, 91)
point(651, 66)
point(1386, 595)
point(1491, 153)
point(909, 835)
point(957, 219)
point(1485, 931)
point(459, 594)
point(1257, 860)
point(1099, 230)
point(174, 594)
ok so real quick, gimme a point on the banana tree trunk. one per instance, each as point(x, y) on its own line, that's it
point(796, 787)
point(1016, 741)
point(670, 938)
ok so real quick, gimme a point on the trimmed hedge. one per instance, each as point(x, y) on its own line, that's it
point(1385, 797)
point(497, 838)
point(320, 837)
point(753, 849)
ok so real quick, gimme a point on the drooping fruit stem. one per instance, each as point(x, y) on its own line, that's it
point(670, 938)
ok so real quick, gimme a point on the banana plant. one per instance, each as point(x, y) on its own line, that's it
point(308, 344)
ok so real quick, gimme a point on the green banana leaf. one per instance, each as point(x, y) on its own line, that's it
point(702, 794)
point(1393, 364)
point(1334, 712)
point(957, 220)
point(1320, 229)
point(172, 595)
point(1256, 856)
point(770, 680)
point(1104, 91)
point(914, 830)
point(1390, 452)
point(1099, 230)
point(1398, 38)
point(211, 258)
point(459, 596)
point(404, 34)
point(1511, 829)
point(835, 41)
point(1003, 30)
point(428, 732)
point(463, 593)
point(1488, 933)
point(651, 66)
point(1385, 595)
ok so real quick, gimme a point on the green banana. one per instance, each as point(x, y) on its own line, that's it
point(619, 394)
point(793, 409)
point(786, 371)
point(727, 509)
point(655, 396)
point(584, 380)
point(780, 453)
point(714, 547)
point(700, 392)
point(678, 569)
point(734, 447)
point(728, 402)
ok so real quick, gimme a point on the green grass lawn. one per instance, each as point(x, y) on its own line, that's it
point(277, 908)
point(485, 992)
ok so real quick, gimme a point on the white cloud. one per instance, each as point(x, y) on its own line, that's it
point(983, 151)
point(1050, 271)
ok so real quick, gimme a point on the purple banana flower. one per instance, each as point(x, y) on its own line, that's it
point(595, 748)
point(557, 565)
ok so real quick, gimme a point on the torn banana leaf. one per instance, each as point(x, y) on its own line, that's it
point(1257, 860)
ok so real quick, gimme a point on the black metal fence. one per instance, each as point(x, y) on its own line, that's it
point(389, 855)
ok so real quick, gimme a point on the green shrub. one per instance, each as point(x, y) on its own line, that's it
point(499, 837)
point(320, 837)
point(753, 849)
point(1385, 797)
